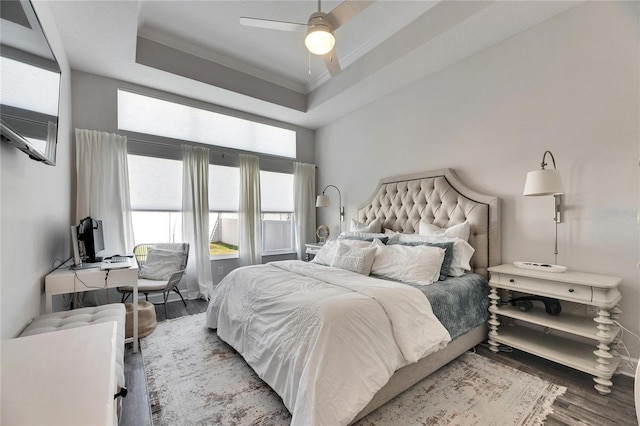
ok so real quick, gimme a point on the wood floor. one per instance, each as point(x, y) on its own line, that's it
point(580, 405)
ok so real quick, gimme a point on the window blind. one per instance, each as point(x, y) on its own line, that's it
point(276, 192)
point(155, 183)
point(224, 188)
point(144, 114)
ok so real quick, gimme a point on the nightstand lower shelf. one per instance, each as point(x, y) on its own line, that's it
point(558, 349)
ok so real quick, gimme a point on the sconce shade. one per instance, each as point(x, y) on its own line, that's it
point(543, 182)
point(323, 201)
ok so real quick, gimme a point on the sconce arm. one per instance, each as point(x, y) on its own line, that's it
point(544, 164)
point(339, 200)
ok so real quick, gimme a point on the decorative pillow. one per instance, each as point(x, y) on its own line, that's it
point(412, 264)
point(462, 250)
point(374, 226)
point(354, 259)
point(448, 255)
point(461, 230)
point(363, 236)
point(326, 254)
point(160, 264)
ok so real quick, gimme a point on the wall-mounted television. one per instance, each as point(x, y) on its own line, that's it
point(30, 80)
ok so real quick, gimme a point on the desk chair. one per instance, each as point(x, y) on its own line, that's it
point(154, 285)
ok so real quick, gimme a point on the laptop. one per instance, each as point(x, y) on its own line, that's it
point(116, 262)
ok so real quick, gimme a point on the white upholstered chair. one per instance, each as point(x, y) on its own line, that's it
point(159, 284)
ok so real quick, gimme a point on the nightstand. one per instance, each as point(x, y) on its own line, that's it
point(312, 250)
point(584, 342)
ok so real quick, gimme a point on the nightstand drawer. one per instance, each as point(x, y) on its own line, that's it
point(564, 291)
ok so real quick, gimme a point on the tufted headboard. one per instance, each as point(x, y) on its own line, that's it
point(438, 197)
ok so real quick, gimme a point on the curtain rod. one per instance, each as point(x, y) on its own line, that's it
point(233, 154)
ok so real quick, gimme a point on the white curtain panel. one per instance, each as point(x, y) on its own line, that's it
point(250, 223)
point(195, 220)
point(304, 204)
point(103, 187)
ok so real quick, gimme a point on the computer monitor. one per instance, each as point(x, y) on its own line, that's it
point(91, 237)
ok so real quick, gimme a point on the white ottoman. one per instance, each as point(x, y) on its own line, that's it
point(81, 317)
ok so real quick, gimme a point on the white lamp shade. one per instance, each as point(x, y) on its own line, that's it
point(323, 201)
point(319, 40)
point(543, 182)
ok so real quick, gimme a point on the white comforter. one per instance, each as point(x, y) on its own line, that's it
point(325, 339)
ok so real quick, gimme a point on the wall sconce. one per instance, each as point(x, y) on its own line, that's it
point(325, 201)
point(547, 182)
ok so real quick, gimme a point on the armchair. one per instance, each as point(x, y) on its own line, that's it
point(154, 284)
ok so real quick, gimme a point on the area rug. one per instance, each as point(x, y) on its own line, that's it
point(195, 379)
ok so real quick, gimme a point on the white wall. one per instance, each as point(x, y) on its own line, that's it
point(35, 211)
point(569, 85)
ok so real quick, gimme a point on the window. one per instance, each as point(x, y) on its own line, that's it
point(224, 196)
point(277, 210)
point(156, 202)
point(276, 198)
point(144, 114)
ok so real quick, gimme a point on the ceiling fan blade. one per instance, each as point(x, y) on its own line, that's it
point(272, 25)
point(332, 63)
point(346, 11)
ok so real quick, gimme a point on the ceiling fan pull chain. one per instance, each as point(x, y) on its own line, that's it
point(309, 63)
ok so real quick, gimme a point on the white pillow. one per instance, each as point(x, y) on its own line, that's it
point(328, 251)
point(374, 226)
point(160, 264)
point(462, 250)
point(411, 264)
point(354, 259)
point(461, 230)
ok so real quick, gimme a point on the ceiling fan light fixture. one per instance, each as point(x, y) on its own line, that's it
point(319, 39)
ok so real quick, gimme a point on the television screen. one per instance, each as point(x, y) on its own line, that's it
point(30, 81)
point(91, 237)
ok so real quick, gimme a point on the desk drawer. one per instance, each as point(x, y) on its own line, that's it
point(68, 281)
point(564, 291)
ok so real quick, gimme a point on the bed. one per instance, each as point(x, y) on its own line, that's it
point(336, 345)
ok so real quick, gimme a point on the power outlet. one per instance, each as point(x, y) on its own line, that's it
point(592, 310)
point(220, 270)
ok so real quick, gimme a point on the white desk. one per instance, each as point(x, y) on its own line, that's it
point(64, 281)
point(65, 377)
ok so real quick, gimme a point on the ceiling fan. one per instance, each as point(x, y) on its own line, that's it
point(319, 39)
